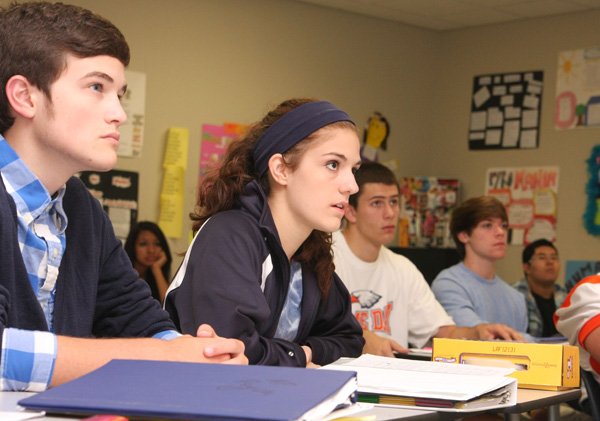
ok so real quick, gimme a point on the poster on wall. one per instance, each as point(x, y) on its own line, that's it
point(214, 142)
point(576, 270)
point(505, 110)
point(134, 103)
point(117, 192)
point(591, 217)
point(172, 191)
point(529, 195)
point(425, 207)
point(577, 102)
point(375, 137)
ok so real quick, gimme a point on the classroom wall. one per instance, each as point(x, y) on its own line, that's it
point(232, 60)
point(519, 46)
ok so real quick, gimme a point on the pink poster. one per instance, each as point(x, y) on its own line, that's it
point(214, 143)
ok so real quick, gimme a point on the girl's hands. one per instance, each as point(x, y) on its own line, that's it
point(160, 262)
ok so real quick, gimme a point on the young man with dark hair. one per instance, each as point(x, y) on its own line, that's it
point(390, 297)
point(541, 267)
point(471, 291)
point(65, 277)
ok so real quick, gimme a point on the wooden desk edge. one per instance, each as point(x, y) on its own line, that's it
point(528, 399)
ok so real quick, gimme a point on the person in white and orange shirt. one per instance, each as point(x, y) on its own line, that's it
point(579, 320)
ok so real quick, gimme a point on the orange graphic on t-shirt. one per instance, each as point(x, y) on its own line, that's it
point(377, 319)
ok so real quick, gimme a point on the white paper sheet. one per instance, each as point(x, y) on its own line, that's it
point(425, 379)
point(19, 416)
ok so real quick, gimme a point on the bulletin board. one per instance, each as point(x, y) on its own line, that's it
point(117, 192)
point(505, 110)
point(529, 195)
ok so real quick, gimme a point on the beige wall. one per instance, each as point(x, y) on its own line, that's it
point(230, 60)
point(520, 46)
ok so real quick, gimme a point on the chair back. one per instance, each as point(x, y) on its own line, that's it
point(593, 391)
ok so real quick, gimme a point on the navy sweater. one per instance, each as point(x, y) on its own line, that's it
point(98, 293)
point(236, 279)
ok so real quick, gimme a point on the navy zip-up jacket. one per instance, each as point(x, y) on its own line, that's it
point(98, 293)
point(236, 279)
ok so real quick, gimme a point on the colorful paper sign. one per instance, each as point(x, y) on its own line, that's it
point(530, 197)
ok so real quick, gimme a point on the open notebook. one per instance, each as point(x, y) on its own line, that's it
point(430, 385)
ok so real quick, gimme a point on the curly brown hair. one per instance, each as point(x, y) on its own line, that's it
point(224, 184)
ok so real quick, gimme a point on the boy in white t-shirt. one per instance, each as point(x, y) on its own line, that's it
point(390, 298)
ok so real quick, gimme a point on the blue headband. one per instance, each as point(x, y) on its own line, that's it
point(293, 127)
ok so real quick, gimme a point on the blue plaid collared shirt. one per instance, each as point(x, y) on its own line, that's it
point(41, 230)
point(28, 356)
point(536, 327)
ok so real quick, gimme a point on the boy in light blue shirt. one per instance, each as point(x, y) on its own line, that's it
point(471, 291)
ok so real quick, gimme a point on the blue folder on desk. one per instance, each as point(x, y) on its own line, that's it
point(174, 390)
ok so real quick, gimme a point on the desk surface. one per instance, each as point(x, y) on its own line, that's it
point(8, 402)
point(527, 399)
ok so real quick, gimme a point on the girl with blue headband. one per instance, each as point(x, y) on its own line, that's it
point(260, 269)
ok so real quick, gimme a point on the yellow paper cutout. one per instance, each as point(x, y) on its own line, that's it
point(173, 184)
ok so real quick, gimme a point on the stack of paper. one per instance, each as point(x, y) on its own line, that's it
point(430, 385)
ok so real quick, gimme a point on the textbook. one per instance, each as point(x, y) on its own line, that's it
point(430, 385)
point(194, 391)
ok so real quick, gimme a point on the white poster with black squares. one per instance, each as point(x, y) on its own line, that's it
point(505, 110)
